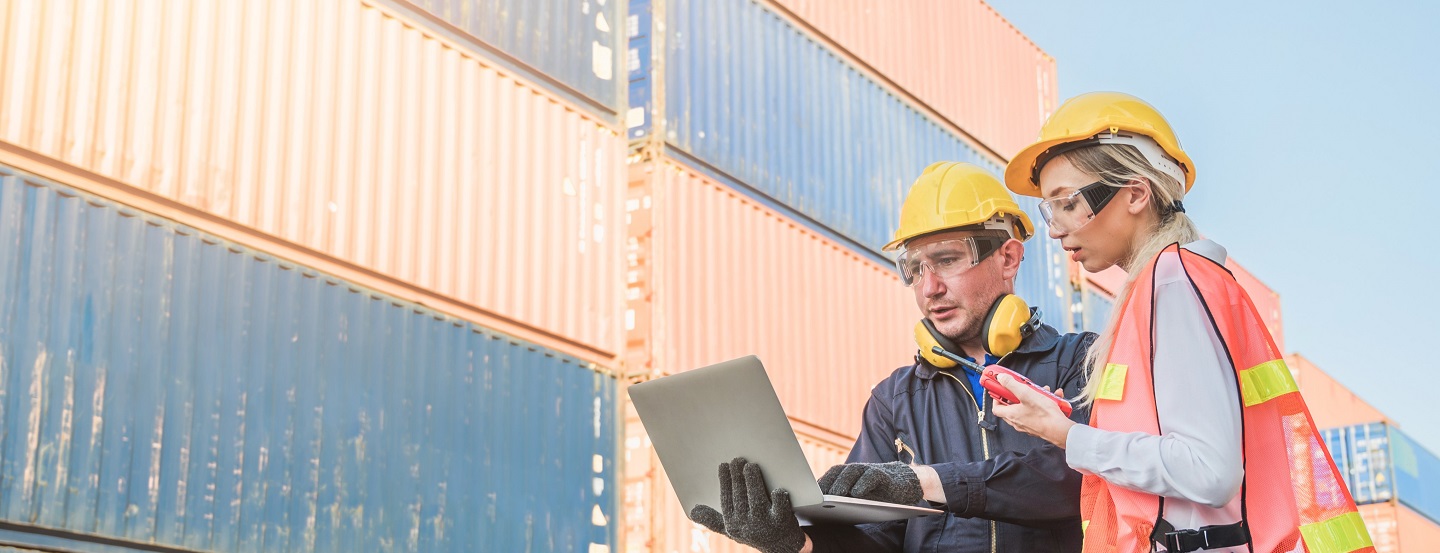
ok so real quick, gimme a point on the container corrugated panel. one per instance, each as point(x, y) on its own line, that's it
point(733, 278)
point(1417, 533)
point(165, 386)
point(1368, 455)
point(1096, 308)
point(756, 98)
point(986, 76)
point(577, 43)
point(340, 128)
point(1380, 521)
point(1267, 301)
point(1417, 474)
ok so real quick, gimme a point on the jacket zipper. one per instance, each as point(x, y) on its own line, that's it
point(984, 441)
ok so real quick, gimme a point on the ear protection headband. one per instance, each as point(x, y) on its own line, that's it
point(1008, 322)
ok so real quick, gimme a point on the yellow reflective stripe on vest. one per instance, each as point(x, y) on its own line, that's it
point(1265, 382)
point(1112, 383)
point(1340, 534)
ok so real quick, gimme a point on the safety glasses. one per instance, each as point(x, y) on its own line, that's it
point(946, 258)
point(1067, 214)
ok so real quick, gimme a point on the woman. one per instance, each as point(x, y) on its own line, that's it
point(1198, 439)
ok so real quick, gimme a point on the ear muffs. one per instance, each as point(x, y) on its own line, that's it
point(1008, 323)
point(927, 337)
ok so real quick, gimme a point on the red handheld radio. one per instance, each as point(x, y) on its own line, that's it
point(997, 390)
point(1004, 397)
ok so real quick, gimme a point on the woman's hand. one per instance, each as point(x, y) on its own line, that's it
point(1035, 414)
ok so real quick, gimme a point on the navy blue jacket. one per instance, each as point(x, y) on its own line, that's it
point(1020, 492)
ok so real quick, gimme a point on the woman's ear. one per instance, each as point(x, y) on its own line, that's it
point(1137, 196)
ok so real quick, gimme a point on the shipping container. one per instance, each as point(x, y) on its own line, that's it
point(1382, 463)
point(340, 129)
point(1417, 475)
point(961, 58)
point(1266, 300)
point(1362, 452)
point(578, 44)
point(1417, 533)
point(1398, 529)
point(1096, 309)
point(1380, 522)
point(718, 276)
point(1332, 404)
point(161, 386)
point(759, 100)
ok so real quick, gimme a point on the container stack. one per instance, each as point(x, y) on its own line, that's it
point(771, 148)
point(1394, 478)
point(299, 276)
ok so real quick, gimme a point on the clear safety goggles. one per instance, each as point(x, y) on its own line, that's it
point(1067, 214)
point(946, 258)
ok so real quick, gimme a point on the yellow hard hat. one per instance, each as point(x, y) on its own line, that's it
point(1104, 117)
point(951, 195)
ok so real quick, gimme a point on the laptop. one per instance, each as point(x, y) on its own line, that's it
point(708, 416)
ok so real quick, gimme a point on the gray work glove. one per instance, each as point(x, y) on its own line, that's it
point(887, 482)
point(753, 515)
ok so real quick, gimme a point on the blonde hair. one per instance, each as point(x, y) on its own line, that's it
point(1119, 165)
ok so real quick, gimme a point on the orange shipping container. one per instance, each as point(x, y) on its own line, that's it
point(337, 128)
point(716, 275)
point(1381, 523)
point(1397, 529)
point(989, 79)
point(1267, 301)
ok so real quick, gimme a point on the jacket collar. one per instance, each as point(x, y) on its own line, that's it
point(1043, 339)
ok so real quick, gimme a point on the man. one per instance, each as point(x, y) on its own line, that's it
point(928, 433)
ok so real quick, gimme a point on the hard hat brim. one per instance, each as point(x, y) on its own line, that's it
point(1021, 172)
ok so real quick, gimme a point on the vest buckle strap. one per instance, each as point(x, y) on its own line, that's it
point(1207, 537)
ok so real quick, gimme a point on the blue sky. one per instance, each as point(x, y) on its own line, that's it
point(1314, 130)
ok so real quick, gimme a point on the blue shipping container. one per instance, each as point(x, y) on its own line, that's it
point(1381, 463)
point(781, 117)
point(579, 44)
point(1095, 311)
point(163, 386)
point(756, 98)
point(1417, 475)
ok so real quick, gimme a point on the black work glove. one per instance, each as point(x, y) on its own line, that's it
point(753, 515)
point(887, 482)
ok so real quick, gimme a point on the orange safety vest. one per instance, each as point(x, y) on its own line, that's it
point(1291, 488)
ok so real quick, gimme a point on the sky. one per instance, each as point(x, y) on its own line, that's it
point(1315, 130)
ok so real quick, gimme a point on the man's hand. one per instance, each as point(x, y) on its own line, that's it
point(752, 514)
point(887, 482)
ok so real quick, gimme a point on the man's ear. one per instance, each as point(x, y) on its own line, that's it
point(1010, 253)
